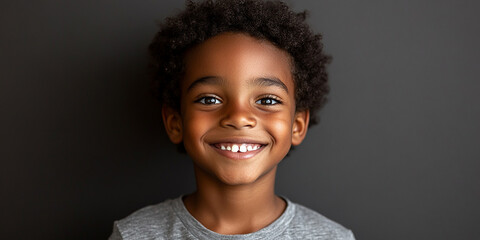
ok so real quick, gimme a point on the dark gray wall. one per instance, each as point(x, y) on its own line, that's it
point(396, 155)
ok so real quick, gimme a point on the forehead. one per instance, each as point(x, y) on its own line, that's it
point(237, 58)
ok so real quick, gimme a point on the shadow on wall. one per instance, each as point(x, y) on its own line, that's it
point(121, 159)
point(85, 138)
point(104, 155)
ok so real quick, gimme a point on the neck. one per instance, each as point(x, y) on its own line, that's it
point(235, 209)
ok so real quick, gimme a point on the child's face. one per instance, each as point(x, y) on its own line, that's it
point(237, 118)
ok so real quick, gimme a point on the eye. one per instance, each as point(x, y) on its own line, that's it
point(268, 101)
point(208, 100)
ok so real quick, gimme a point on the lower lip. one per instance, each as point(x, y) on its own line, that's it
point(238, 155)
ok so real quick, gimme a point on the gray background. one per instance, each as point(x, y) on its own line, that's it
point(396, 155)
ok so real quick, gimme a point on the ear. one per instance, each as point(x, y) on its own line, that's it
point(300, 126)
point(173, 124)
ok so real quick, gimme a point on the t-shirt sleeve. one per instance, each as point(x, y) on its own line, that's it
point(115, 233)
point(350, 236)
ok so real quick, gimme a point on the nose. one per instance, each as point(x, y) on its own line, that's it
point(238, 117)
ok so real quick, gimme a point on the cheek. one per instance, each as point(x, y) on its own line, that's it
point(280, 127)
point(195, 126)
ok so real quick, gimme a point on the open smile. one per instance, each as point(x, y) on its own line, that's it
point(238, 151)
point(235, 147)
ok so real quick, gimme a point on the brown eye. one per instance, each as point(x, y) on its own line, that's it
point(267, 101)
point(208, 100)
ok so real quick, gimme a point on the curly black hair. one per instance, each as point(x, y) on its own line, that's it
point(273, 21)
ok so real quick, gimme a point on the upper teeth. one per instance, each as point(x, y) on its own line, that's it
point(240, 147)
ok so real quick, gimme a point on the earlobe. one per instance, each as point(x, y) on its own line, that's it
point(173, 124)
point(300, 126)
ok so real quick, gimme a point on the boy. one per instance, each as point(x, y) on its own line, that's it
point(240, 82)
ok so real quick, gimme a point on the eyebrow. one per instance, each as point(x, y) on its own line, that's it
point(263, 81)
point(208, 80)
point(271, 81)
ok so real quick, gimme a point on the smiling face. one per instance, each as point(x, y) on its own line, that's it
point(237, 118)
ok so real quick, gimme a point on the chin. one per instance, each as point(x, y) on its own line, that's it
point(237, 181)
point(245, 177)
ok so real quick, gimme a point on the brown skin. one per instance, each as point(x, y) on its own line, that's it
point(226, 100)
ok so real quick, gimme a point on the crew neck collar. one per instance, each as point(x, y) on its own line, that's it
point(198, 230)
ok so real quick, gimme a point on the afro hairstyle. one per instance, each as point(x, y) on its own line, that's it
point(273, 21)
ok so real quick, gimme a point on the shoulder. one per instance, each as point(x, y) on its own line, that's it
point(147, 222)
point(153, 214)
point(313, 225)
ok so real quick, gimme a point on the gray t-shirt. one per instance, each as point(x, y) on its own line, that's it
point(171, 220)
